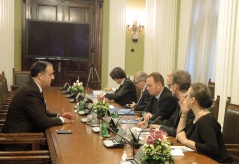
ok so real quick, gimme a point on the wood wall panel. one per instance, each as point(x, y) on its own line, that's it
point(47, 12)
point(74, 11)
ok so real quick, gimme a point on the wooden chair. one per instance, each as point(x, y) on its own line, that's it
point(211, 86)
point(26, 157)
point(5, 86)
point(215, 107)
point(19, 78)
point(35, 139)
point(231, 128)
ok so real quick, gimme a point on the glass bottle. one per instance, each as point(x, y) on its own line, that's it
point(81, 105)
point(94, 119)
point(127, 131)
point(116, 115)
point(104, 130)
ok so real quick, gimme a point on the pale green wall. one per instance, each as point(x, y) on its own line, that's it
point(17, 34)
point(105, 43)
point(134, 60)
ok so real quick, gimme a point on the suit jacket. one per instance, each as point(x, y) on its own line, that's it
point(27, 111)
point(125, 94)
point(143, 101)
point(164, 107)
point(170, 126)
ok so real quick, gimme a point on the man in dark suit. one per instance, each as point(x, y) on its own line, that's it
point(162, 104)
point(145, 98)
point(126, 92)
point(27, 111)
point(179, 84)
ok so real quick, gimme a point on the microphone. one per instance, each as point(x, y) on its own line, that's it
point(136, 141)
point(122, 116)
point(124, 139)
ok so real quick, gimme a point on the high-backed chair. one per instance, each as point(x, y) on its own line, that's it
point(211, 86)
point(231, 128)
point(215, 107)
point(19, 78)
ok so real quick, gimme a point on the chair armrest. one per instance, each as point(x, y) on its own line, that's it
point(14, 135)
point(232, 149)
point(35, 139)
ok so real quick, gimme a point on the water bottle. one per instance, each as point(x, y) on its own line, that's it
point(127, 131)
point(94, 120)
point(104, 131)
point(81, 105)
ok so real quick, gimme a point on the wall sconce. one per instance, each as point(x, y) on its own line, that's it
point(135, 27)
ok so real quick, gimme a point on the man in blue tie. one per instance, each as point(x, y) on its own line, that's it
point(162, 104)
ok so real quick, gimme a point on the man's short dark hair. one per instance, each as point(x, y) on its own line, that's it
point(39, 67)
point(117, 73)
point(182, 79)
point(157, 77)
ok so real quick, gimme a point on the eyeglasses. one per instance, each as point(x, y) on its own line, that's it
point(170, 85)
point(137, 82)
point(185, 95)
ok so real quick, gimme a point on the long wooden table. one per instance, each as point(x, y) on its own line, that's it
point(84, 146)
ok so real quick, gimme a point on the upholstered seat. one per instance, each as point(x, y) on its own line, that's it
point(19, 78)
point(231, 129)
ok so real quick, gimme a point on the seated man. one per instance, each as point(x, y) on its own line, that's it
point(179, 84)
point(126, 92)
point(162, 104)
point(145, 98)
point(27, 111)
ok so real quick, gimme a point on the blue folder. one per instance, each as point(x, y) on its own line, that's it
point(131, 121)
point(122, 111)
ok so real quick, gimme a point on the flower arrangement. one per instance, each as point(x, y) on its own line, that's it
point(77, 87)
point(100, 107)
point(157, 148)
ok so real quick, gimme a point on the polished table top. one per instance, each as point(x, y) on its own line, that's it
point(83, 145)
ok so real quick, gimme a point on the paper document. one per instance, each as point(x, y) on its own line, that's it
point(183, 148)
point(111, 106)
point(177, 153)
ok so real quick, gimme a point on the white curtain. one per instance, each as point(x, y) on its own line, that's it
point(201, 47)
point(160, 36)
point(117, 37)
point(7, 38)
point(227, 67)
point(184, 25)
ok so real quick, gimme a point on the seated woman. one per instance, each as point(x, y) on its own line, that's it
point(204, 135)
point(126, 92)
